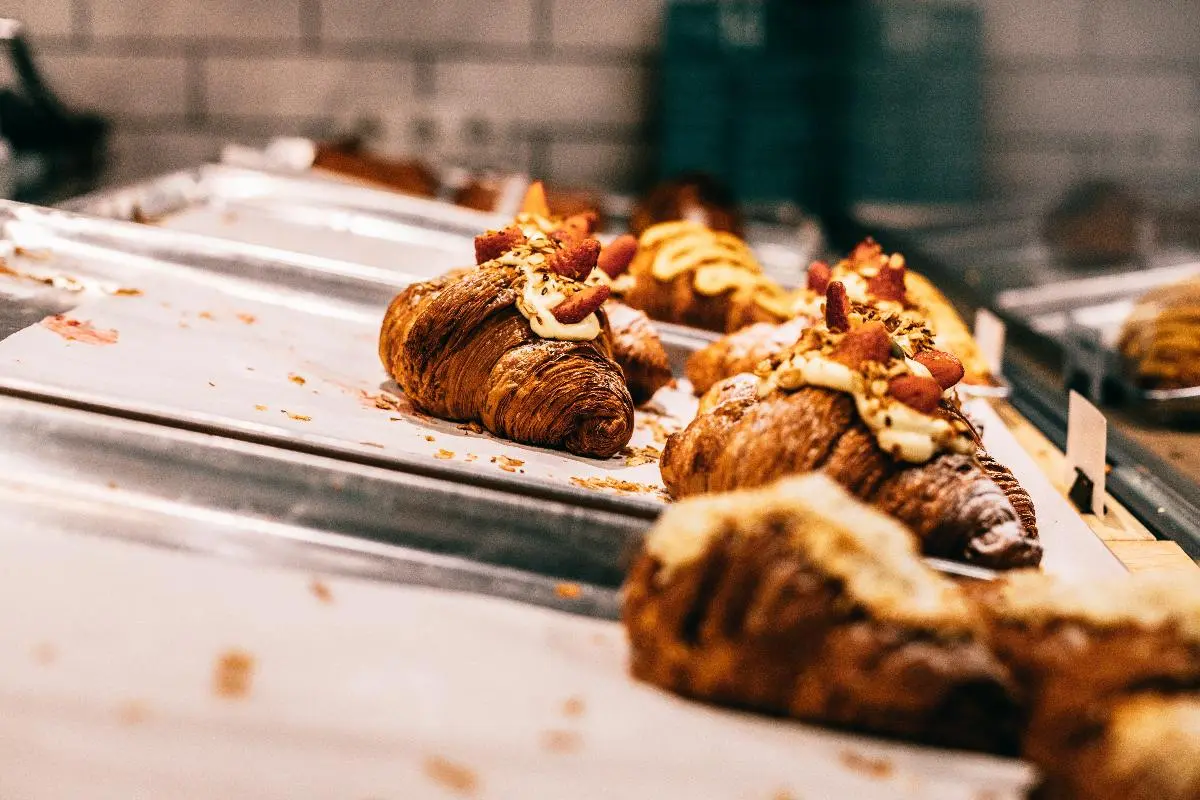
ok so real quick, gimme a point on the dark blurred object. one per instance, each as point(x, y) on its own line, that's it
point(1097, 223)
point(825, 104)
point(33, 120)
point(348, 158)
point(693, 196)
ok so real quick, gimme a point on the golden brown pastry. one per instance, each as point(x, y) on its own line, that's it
point(1161, 339)
point(865, 406)
point(1111, 669)
point(348, 159)
point(874, 281)
point(520, 345)
point(638, 350)
point(695, 196)
point(798, 600)
point(688, 274)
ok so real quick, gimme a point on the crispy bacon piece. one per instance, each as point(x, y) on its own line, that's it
point(869, 342)
point(494, 244)
point(888, 283)
point(818, 276)
point(945, 367)
point(916, 391)
point(535, 200)
point(576, 260)
point(837, 307)
point(616, 257)
point(576, 307)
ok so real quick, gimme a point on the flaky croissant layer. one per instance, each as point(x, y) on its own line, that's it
point(460, 350)
point(951, 502)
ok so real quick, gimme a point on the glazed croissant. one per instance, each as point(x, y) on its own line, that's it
point(876, 283)
point(688, 274)
point(483, 345)
point(841, 403)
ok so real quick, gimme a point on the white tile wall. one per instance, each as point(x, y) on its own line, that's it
point(630, 24)
point(1020, 28)
point(428, 21)
point(121, 86)
point(1148, 29)
point(1087, 103)
point(41, 17)
point(1070, 83)
point(231, 19)
point(297, 87)
point(619, 165)
point(136, 156)
point(549, 93)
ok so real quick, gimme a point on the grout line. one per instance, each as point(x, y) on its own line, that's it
point(424, 75)
point(310, 24)
point(539, 154)
point(81, 23)
point(197, 101)
point(543, 22)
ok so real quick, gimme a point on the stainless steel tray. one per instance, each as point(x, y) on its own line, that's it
point(302, 214)
point(1085, 316)
point(73, 472)
point(267, 347)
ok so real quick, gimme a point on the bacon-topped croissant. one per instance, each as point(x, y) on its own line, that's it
point(522, 344)
point(865, 406)
point(635, 343)
point(688, 274)
point(875, 282)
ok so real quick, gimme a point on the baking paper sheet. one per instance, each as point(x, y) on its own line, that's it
point(288, 364)
point(199, 678)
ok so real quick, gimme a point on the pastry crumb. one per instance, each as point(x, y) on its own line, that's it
point(615, 484)
point(471, 457)
point(573, 707)
point(452, 776)
point(249, 319)
point(132, 712)
point(508, 464)
point(636, 456)
point(233, 674)
point(82, 331)
point(298, 417)
point(429, 438)
point(878, 768)
point(260, 407)
point(321, 590)
point(563, 742)
point(395, 419)
point(372, 444)
point(45, 653)
point(569, 591)
point(658, 431)
point(210, 383)
point(444, 454)
point(206, 315)
point(296, 379)
point(127, 292)
point(471, 427)
point(111, 484)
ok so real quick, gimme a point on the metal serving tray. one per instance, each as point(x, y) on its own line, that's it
point(312, 215)
point(219, 336)
point(73, 472)
point(1085, 316)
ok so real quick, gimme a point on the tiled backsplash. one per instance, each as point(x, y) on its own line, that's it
point(1072, 86)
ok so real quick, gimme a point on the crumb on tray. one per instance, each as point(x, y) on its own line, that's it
point(233, 674)
point(260, 407)
point(471, 427)
point(568, 591)
point(82, 331)
point(320, 590)
point(509, 464)
point(451, 775)
point(615, 484)
point(878, 768)
point(560, 741)
point(249, 319)
point(444, 453)
point(372, 444)
point(297, 417)
point(636, 456)
point(296, 379)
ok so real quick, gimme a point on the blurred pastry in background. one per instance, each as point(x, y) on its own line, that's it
point(798, 600)
point(696, 197)
point(348, 159)
point(1098, 223)
point(689, 274)
point(1160, 341)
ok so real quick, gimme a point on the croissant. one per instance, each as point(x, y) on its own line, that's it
point(520, 345)
point(841, 402)
point(687, 274)
point(796, 599)
point(877, 284)
point(638, 351)
point(1160, 340)
point(1104, 663)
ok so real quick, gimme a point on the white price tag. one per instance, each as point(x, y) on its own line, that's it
point(1087, 438)
point(989, 335)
